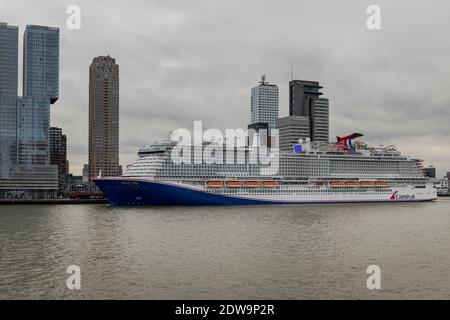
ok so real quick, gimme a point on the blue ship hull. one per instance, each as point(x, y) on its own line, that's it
point(125, 192)
point(129, 192)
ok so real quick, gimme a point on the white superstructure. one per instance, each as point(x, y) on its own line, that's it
point(320, 172)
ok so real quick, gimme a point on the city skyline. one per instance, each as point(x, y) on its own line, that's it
point(394, 92)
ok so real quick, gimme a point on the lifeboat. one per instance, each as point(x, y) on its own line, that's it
point(337, 184)
point(251, 184)
point(380, 184)
point(270, 184)
point(366, 183)
point(352, 184)
point(214, 184)
point(234, 184)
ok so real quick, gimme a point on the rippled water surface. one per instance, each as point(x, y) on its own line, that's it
point(273, 252)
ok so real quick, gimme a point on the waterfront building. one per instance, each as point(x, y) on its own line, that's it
point(8, 96)
point(447, 176)
point(9, 59)
point(104, 117)
point(291, 129)
point(441, 186)
point(264, 103)
point(85, 173)
point(28, 172)
point(302, 95)
point(41, 62)
point(308, 114)
point(58, 155)
point(430, 172)
point(33, 123)
point(320, 123)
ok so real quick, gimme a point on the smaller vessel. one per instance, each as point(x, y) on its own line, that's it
point(215, 184)
point(270, 184)
point(234, 184)
point(352, 184)
point(252, 184)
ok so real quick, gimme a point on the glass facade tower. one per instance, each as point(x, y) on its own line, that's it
point(26, 171)
point(33, 122)
point(8, 95)
point(40, 89)
point(41, 62)
point(8, 60)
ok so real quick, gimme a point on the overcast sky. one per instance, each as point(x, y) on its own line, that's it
point(189, 60)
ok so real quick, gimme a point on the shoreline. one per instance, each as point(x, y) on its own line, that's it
point(52, 201)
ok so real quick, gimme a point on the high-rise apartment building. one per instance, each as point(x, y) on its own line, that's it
point(29, 173)
point(104, 117)
point(58, 155)
point(264, 103)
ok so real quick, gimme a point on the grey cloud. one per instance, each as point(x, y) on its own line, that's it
point(197, 60)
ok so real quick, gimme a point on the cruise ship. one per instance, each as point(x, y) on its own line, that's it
point(347, 171)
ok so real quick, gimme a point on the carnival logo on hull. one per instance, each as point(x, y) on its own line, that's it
point(396, 196)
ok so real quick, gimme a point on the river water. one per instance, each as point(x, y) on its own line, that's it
point(255, 252)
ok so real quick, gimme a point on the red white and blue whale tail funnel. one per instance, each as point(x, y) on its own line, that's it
point(346, 143)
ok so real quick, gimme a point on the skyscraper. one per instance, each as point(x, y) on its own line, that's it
point(320, 128)
point(58, 155)
point(103, 117)
point(41, 62)
point(264, 103)
point(8, 95)
point(302, 95)
point(29, 173)
point(305, 101)
point(308, 114)
point(40, 89)
point(9, 59)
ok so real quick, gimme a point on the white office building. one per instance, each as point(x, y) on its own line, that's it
point(264, 103)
